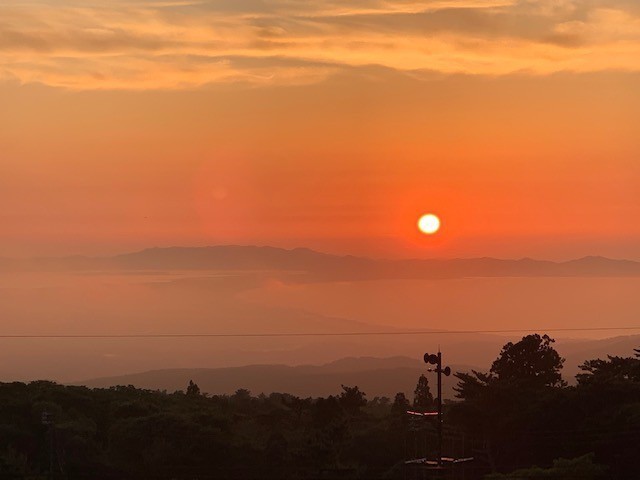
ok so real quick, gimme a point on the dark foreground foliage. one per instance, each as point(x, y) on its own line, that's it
point(519, 421)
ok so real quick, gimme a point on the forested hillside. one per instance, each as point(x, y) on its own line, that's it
point(519, 416)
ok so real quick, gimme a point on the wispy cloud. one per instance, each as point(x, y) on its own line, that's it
point(140, 44)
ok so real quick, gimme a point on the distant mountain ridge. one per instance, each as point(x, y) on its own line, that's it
point(374, 375)
point(311, 265)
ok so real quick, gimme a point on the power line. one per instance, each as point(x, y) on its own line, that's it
point(314, 334)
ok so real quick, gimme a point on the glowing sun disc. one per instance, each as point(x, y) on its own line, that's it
point(429, 223)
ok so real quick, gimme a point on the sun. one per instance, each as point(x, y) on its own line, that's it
point(429, 223)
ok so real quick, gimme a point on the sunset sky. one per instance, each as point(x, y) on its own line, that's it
point(325, 124)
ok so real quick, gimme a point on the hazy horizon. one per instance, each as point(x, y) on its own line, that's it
point(295, 292)
point(114, 252)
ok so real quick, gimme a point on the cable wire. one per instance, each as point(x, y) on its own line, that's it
point(315, 334)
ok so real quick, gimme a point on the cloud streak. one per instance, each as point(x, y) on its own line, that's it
point(176, 45)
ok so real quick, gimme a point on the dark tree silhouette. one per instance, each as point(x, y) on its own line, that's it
point(615, 369)
point(400, 404)
point(497, 404)
point(327, 410)
point(471, 385)
point(298, 405)
point(193, 390)
point(422, 397)
point(352, 399)
point(532, 360)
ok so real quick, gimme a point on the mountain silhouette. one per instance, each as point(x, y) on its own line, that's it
point(375, 376)
point(303, 264)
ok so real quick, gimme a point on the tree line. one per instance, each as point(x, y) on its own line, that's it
point(519, 420)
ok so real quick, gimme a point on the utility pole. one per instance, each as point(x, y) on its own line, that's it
point(439, 463)
point(436, 359)
point(439, 408)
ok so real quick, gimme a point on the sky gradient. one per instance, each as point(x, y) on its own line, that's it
point(330, 125)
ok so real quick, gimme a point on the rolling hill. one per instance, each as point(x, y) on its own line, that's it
point(374, 376)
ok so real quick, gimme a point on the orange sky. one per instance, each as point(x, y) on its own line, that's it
point(331, 125)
